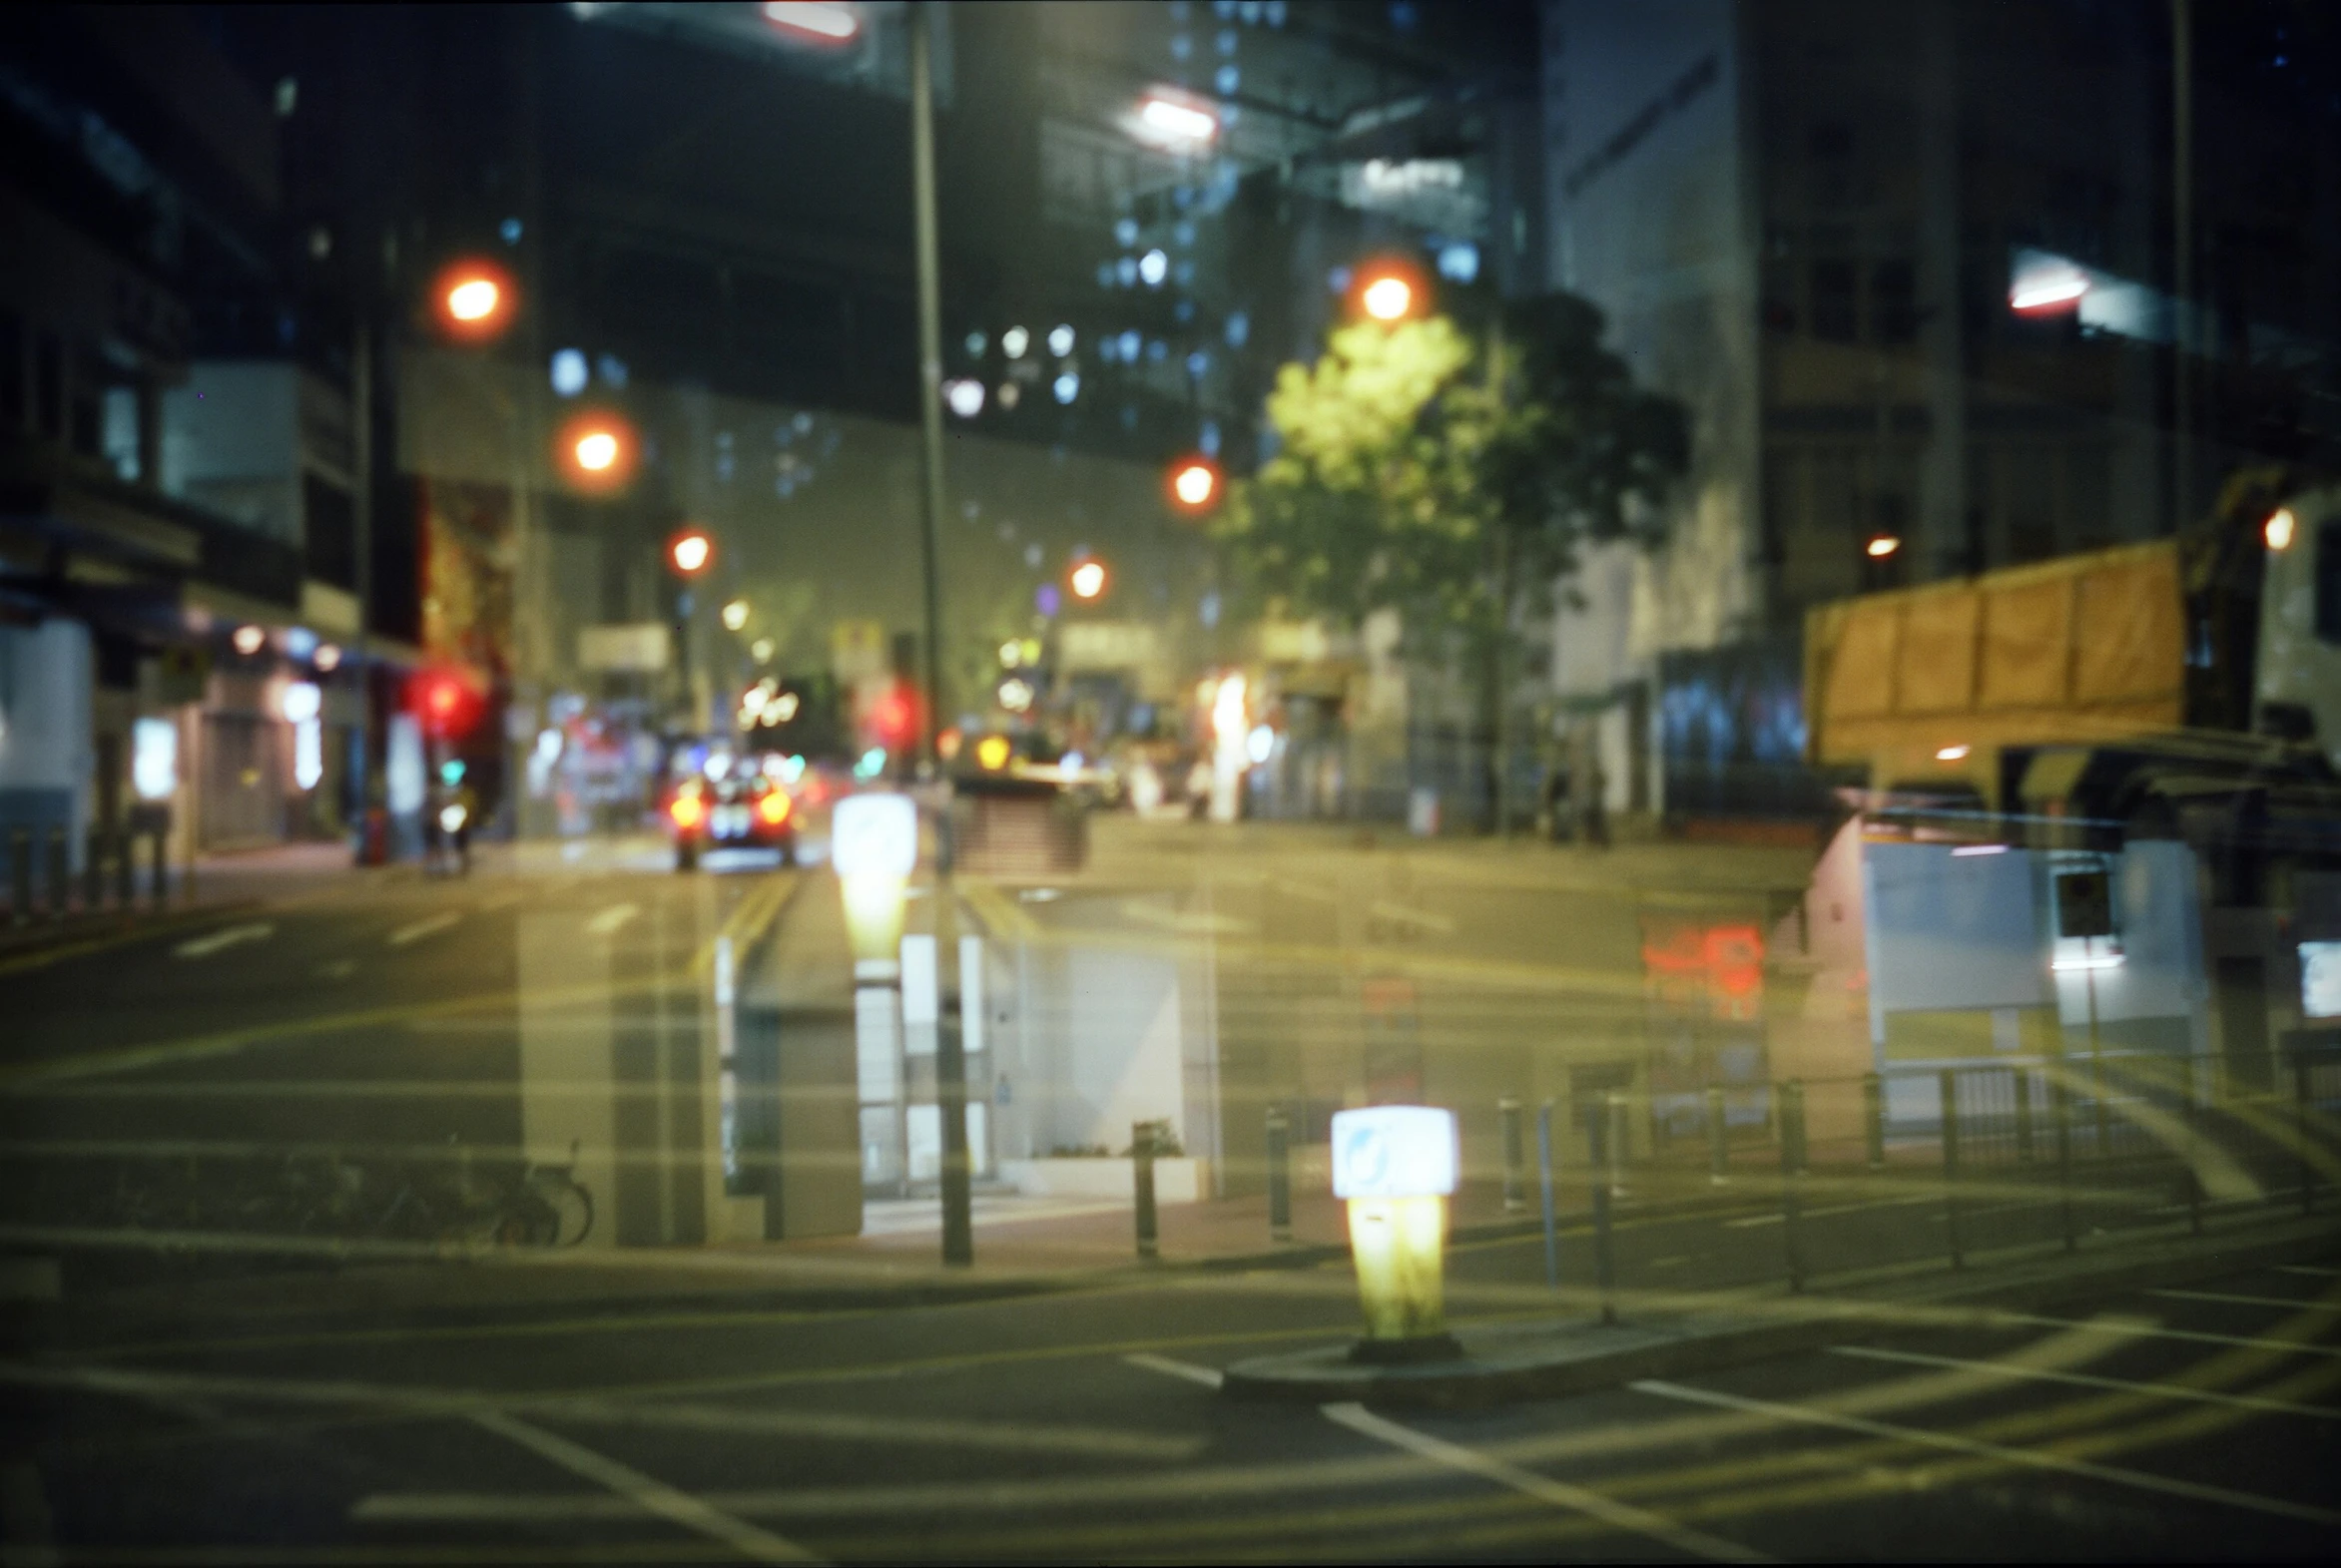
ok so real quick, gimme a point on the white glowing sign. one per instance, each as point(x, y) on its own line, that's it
point(1393, 1150)
point(154, 759)
point(875, 836)
point(2321, 979)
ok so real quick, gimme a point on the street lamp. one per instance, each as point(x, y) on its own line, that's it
point(595, 451)
point(735, 615)
point(1087, 581)
point(690, 551)
point(473, 299)
point(1194, 484)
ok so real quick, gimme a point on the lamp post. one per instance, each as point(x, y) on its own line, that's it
point(950, 1061)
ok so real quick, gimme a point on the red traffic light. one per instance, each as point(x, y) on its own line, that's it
point(473, 301)
point(446, 702)
point(690, 551)
point(1195, 484)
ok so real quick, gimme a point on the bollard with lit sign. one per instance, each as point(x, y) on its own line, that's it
point(1395, 1166)
point(874, 846)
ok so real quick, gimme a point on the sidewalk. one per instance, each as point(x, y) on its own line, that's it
point(219, 882)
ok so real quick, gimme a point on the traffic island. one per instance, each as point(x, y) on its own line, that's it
point(1503, 1364)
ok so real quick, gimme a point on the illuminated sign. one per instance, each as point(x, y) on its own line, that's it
point(875, 836)
point(1393, 1150)
point(2321, 979)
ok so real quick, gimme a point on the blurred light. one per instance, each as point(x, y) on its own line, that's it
point(946, 744)
point(687, 811)
point(1031, 651)
point(868, 766)
point(975, 344)
point(1011, 654)
point(690, 551)
point(1259, 744)
point(964, 396)
point(300, 640)
point(1015, 342)
point(1046, 599)
point(1953, 754)
point(1882, 546)
point(596, 451)
point(718, 763)
point(154, 759)
point(1088, 580)
point(761, 650)
point(1388, 298)
point(774, 808)
point(510, 230)
point(1071, 763)
point(2278, 532)
point(1060, 340)
point(1227, 78)
point(2048, 287)
point(2097, 961)
point(991, 753)
point(298, 700)
point(1460, 261)
point(825, 22)
point(1125, 231)
point(248, 639)
point(1198, 363)
point(780, 710)
point(452, 816)
point(1169, 120)
point(1011, 395)
point(1194, 483)
point(1239, 327)
point(613, 370)
point(735, 615)
point(1227, 709)
point(1016, 696)
point(569, 371)
point(1132, 345)
point(1067, 387)
point(1971, 850)
point(1153, 267)
point(475, 299)
point(309, 752)
point(328, 658)
point(1208, 438)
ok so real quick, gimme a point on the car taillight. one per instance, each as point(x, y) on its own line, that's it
point(774, 808)
point(687, 811)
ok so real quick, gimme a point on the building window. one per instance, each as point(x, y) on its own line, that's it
point(1834, 307)
point(1894, 303)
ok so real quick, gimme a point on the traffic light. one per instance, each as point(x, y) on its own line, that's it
point(1194, 484)
point(473, 301)
point(446, 702)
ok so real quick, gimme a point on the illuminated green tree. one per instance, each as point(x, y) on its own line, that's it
point(1453, 477)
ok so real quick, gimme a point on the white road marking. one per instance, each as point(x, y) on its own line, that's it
point(428, 926)
point(1775, 1218)
point(1950, 1443)
point(650, 1495)
point(2138, 1330)
point(1543, 1488)
point(2282, 1303)
point(221, 942)
point(2241, 1402)
point(607, 922)
point(1170, 1368)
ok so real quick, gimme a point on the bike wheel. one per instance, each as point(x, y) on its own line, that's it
point(570, 1204)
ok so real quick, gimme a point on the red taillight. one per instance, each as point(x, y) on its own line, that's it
point(774, 808)
point(687, 811)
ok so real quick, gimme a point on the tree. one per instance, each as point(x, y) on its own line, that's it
point(1453, 478)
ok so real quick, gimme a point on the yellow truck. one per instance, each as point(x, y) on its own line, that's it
point(2183, 687)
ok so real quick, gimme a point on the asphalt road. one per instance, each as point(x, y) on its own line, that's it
point(2173, 1424)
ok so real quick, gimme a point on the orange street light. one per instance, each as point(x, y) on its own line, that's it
point(1388, 289)
point(1194, 484)
point(1882, 546)
point(473, 299)
point(1087, 580)
point(690, 551)
point(1388, 299)
point(595, 451)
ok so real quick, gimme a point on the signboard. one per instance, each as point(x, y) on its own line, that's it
point(2321, 979)
point(857, 652)
point(875, 836)
point(1393, 1150)
point(1105, 644)
point(639, 646)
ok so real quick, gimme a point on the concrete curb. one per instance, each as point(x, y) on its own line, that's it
point(1512, 1365)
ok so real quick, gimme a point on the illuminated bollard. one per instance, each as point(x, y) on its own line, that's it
point(1394, 1167)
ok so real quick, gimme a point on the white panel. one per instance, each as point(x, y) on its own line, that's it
point(922, 998)
point(878, 1059)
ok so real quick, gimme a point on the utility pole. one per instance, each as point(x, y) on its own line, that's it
point(2182, 479)
point(950, 1060)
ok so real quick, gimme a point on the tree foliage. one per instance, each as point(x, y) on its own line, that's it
point(1450, 476)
